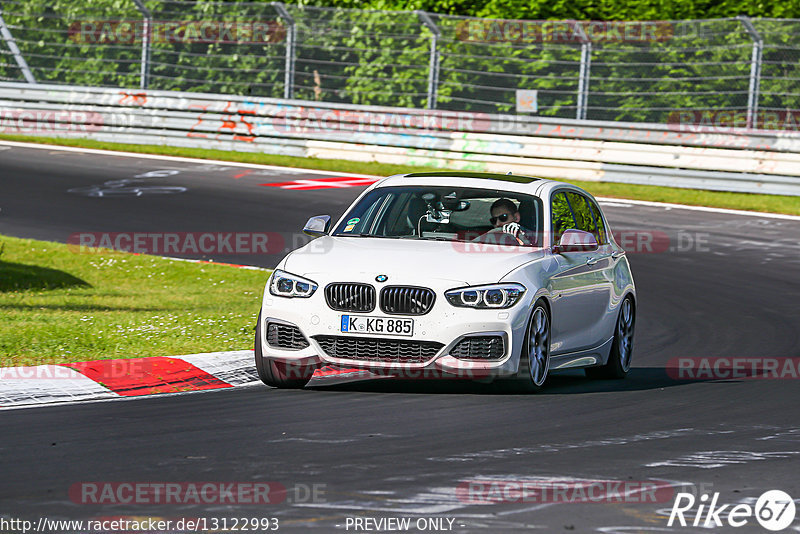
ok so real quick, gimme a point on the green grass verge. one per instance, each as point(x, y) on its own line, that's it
point(59, 306)
point(741, 201)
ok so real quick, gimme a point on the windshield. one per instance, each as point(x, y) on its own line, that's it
point(445, 213)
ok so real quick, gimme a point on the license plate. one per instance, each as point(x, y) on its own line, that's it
point(358, 324)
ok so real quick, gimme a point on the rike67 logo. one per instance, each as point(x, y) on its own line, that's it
point(774, 510)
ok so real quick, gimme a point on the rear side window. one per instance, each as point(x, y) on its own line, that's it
point(587, 216)
point(582, 211)
point(598, 219)
point(561, 216)
point(573, 210)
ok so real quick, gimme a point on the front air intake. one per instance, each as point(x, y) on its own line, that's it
point(378, 349)
point(285, 336)
point(479, 348)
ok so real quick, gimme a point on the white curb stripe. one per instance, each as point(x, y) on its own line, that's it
point(237, 367)
point(46, 384)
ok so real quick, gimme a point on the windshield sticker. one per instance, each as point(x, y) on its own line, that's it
point(349, 227)
point(353, 221)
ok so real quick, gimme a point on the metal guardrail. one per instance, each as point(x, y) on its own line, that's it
point(730, 160)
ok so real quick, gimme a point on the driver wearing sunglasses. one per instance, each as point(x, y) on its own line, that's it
point(505, 215)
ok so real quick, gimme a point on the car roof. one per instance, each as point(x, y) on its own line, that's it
point(516, 178)
point(479, 180)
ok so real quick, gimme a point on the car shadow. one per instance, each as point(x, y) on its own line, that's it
point(572, 382)
point(22, 277)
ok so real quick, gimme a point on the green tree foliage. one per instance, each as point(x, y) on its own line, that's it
point(639, 71)
point(584, 9)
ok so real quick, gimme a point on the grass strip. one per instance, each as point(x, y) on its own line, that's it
point(59, 306)
point(694, 197)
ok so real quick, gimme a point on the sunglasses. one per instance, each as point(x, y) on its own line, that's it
point(504, 217)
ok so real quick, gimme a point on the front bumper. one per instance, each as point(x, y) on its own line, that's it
point(444, 324)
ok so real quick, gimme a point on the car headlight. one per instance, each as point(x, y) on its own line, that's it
point(492, 296)
point(289, 285)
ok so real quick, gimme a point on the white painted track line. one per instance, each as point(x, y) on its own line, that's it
point(667, 205)
point(60, 148)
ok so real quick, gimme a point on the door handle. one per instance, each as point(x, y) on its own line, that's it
point(591, 261)
point(615, 255)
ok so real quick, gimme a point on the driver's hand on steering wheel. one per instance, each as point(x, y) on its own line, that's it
point(512, 228)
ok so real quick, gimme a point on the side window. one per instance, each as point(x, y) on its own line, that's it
point(561, 216)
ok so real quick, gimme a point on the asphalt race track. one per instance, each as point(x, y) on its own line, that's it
point(715, 285)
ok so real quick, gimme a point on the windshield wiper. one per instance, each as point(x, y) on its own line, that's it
point(434, 238)
point(367, 235)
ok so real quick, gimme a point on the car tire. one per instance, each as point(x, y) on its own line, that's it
point(619, 358)
point(534, 361)
point(277, 374)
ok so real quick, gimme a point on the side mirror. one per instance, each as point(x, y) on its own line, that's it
point(317, 226)
point(573, 240)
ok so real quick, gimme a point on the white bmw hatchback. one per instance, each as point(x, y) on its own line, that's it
point(448, 274)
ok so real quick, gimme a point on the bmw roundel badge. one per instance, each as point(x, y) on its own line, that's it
point(381, 278)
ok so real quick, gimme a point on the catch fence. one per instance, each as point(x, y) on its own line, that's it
point(736, 72)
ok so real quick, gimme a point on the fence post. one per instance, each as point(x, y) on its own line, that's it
point(433, 65)
point(147, 21)
point(12, 46)
point(583, 74)
point(755, 70)
point(291, 35)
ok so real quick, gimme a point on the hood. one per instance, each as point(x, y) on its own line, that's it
point(405, 260)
